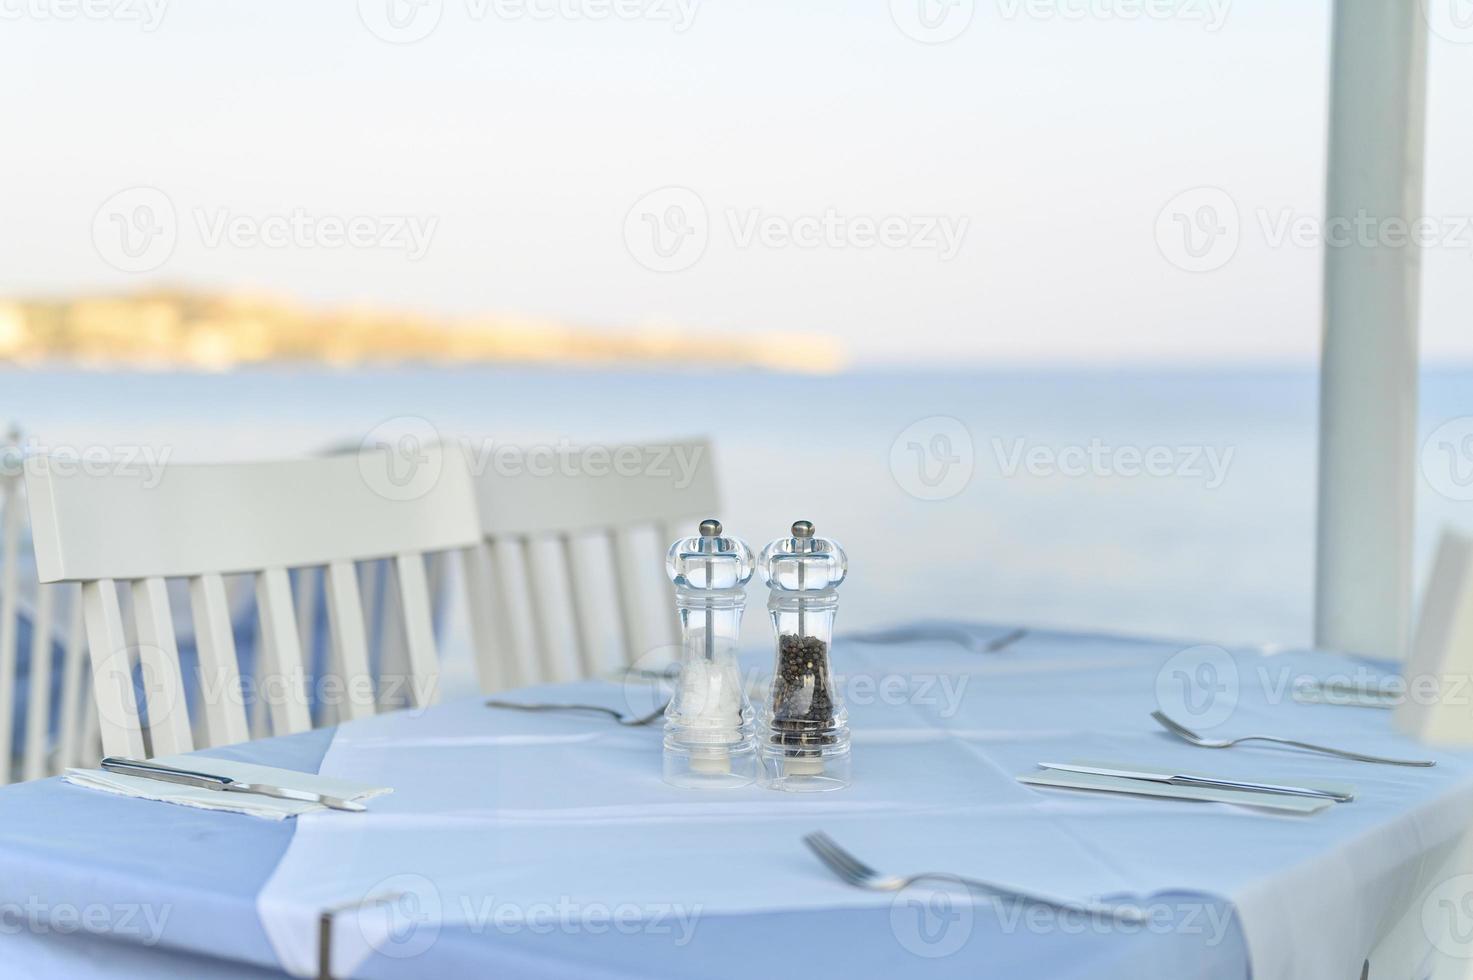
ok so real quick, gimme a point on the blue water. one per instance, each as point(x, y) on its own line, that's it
point(1225, 554)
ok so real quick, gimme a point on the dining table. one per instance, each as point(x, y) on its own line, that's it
point(546, 844)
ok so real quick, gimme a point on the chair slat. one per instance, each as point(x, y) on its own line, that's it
point(584, 633)
point(168, 712)
point(621, 550)
point(112, 671)
point(304, 600)
point(219, 671)
point(289, 714)
point(550, 666)
point(419, 630)
point(74, 707)
point(349, 641)
point(393, 652)
point(490, 620)
point(257, 717)
point(38, 699)
point(9, 586)
point(669, 531)
point(437, 572)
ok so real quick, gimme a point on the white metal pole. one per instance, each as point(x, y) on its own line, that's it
point(1368, 374)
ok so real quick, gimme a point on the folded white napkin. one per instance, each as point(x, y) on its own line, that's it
point(266, 807)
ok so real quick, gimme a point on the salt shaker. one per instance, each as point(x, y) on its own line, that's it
point(710, 732)
point(805, 737)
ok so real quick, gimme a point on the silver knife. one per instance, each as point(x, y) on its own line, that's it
point(1181, 779)
point(204, 780)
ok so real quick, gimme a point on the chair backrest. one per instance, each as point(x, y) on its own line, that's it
point(1442, 648)
point(560, 520)
point(202, 522)
point(49, 618)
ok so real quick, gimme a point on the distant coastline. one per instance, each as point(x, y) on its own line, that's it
point(196, 330)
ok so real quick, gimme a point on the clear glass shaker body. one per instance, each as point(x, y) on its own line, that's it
point(710, 731)
point(805, 732)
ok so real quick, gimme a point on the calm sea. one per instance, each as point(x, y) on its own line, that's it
point(1175, 503)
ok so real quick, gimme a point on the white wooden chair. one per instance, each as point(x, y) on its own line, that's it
point(54, 614)
point(202, 522)
point(556, 533)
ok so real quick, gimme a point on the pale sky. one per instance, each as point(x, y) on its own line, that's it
point(994, 197)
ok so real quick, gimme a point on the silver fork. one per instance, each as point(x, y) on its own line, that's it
point(855, 872)
point(618, 716)
point(1187, 735)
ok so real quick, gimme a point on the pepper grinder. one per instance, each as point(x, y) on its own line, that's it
point(710, 733)
point(805, 739)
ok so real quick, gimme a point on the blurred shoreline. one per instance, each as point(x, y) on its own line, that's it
point(214, 332)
